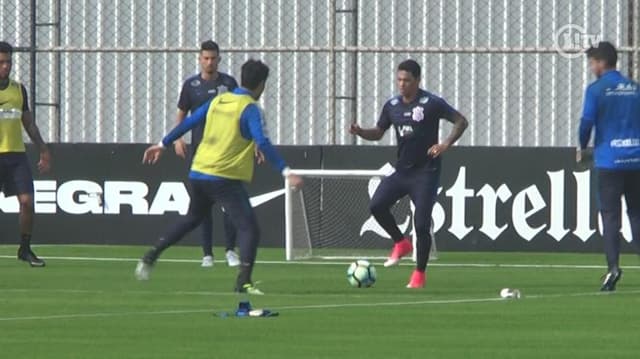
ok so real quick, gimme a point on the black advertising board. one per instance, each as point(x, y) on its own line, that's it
point(502, 199)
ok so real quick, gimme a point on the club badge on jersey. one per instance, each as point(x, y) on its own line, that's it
point(222, 89)
point(417, 114)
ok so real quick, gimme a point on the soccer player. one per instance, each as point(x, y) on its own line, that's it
point(15, 174)
point(196, 91)
point(415, 116)
point(223, 161)
point(612, 106)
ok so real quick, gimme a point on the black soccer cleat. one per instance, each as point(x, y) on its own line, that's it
point(27, 255)
point(610, 281)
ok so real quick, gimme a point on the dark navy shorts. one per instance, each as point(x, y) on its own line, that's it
point(420, 184)
point(15, 174)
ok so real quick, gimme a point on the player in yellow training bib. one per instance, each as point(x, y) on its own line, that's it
point(222, 164)
point(15, 174)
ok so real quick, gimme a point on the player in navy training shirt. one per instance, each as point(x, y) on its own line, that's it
point(612, 106)
point(196, 91)
point(415, 115)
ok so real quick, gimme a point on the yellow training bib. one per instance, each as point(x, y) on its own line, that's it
point(223, 152)
point(11, 105)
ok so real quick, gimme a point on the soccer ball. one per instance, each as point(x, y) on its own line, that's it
point(361, 274)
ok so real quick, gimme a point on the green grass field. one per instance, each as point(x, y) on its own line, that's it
point(82, 307)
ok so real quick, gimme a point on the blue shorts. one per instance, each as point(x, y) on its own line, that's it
point(15, 174)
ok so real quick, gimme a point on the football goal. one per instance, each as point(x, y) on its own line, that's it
point(329, 217)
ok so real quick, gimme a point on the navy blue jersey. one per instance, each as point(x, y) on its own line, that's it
point(416, 125)
point(196, 92)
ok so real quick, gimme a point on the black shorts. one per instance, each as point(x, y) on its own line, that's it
point(15, 174)
point(419, 183)
point(613, 184)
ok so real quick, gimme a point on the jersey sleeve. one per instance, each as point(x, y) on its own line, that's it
point(197, 117)
point(25, 99)
point(588, 119)
point(445, 110)
point(184, 102)
point(384, 121)
point(252, 120)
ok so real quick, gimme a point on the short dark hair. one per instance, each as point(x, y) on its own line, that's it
point(254, 72)
point(605, 51)
point(410, 66)
point(210, 45)
point(6, 48)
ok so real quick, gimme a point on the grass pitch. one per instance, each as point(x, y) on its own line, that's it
point(86, 304)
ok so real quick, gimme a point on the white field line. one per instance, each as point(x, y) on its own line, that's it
point(102, 315)
point(406, 263)
point(315, 306)
point(174, 293)
point(458, 301)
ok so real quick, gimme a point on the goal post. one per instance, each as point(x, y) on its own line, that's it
point(328, 218)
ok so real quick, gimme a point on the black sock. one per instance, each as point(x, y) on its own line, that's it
point(244, 275)
point(152, 254)
point(25, 241)
point(173, 236)
point(207, 236)
point(388, 223)
point(422, 251)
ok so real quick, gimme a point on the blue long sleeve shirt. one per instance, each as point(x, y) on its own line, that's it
point(612, 107)
point(251, 128)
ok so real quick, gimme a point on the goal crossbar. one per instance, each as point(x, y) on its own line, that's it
point(320, 173)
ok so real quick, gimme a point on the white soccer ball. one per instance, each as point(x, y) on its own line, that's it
point(361, 274)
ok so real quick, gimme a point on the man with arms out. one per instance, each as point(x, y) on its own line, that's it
point(224, 160)
point(15, 174)
point(196, 91)
point(415, 115)
point(612, 106)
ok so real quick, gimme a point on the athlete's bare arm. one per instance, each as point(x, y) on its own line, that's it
point(44, 164)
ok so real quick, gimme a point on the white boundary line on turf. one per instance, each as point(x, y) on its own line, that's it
point(458, 301)
point(167, 293)
point(103, 315)
point(452, 265)
point(319, 306)
point(369, 294)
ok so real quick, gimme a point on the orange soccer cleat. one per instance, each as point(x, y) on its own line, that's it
point(400, 249)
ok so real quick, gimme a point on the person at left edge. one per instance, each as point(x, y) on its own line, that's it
point(223, 163)
point(15, 174)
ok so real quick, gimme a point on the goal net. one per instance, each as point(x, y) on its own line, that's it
point(329, 217)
